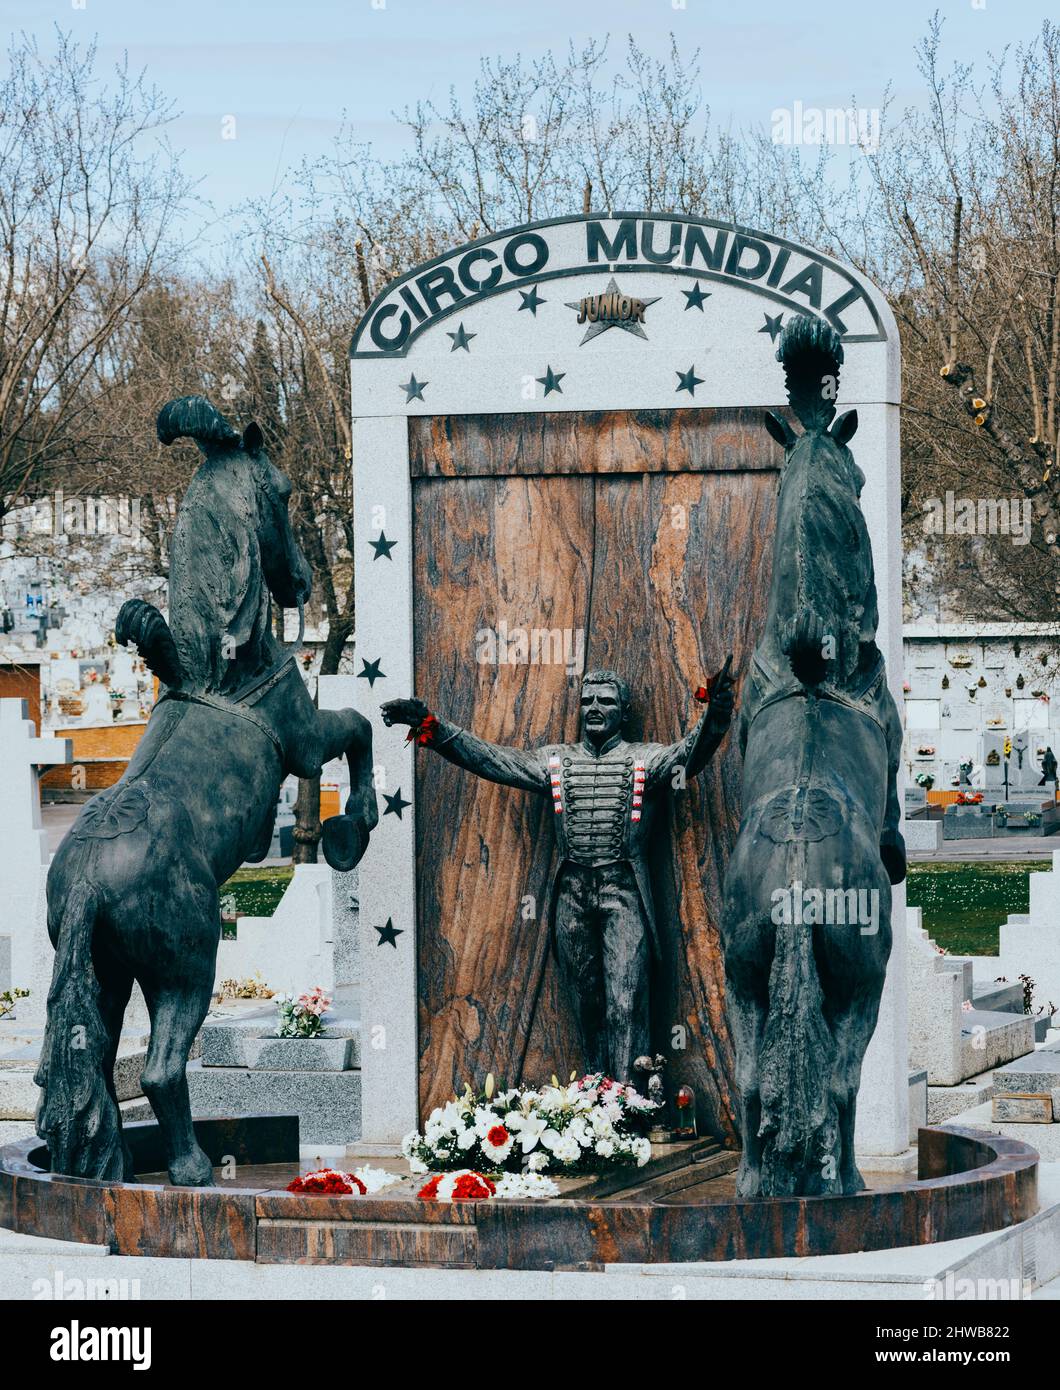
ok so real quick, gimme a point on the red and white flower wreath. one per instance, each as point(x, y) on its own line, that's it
point(465, 1185)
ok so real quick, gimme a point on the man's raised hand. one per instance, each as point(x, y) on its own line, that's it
point(412, 712)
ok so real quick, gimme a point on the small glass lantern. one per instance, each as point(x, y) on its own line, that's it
point(685, 1105)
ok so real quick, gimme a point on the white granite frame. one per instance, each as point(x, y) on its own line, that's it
point(510, 348)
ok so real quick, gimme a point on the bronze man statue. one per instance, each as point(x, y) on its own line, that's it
point(604, 792)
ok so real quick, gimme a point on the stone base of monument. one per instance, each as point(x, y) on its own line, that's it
point(680, 1208)
point(244, 1069)
point(20, 1057)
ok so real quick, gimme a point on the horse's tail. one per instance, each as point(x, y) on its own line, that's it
point(142, 624)
point(77, 1115)
point(799, 1126)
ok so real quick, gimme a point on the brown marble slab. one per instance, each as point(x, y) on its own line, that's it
point(359, 1243)
point(971, 1182)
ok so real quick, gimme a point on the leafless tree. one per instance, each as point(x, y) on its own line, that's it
point(84, 215)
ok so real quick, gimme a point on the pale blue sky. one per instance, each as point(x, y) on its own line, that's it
point(286, 69)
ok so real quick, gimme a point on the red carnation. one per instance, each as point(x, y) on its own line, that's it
point(429, 1191)
point(498, 1136)
point(328, 1182)
point(472, 1187)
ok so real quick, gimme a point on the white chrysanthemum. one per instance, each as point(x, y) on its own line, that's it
point(604, 1148)
point(579, 1131)
point(642, 1151)
point(521, 1187)
point(601, 1122)
point(484, 1119)
point(376, 1179)
point(537, 1162)
point(566, 1149)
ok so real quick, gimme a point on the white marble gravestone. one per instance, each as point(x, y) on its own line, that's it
point(23, 840)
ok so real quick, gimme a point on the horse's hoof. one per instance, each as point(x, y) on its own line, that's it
point(194, 1171)
point(344, 840)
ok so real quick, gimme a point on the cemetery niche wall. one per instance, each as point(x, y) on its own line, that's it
point(560, 464)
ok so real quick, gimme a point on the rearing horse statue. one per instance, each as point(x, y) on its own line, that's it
point(806, 924)
point(133, 888)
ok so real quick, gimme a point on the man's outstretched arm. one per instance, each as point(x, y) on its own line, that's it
point(511, 767)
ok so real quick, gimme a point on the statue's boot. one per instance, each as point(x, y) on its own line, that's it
point(344, 840)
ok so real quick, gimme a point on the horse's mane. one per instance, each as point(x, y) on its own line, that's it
point(840, 582)
point(193, 417)
point(831, 531)
point(218, 596)
point(811, 353)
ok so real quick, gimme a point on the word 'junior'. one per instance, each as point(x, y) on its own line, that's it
point(610, 308)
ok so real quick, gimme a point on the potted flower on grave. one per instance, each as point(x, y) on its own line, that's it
point(925, 780)
point(302, 1016)
point(1032, 819)
point(1001, 815)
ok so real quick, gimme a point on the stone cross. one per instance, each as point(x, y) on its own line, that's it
point(23, 840)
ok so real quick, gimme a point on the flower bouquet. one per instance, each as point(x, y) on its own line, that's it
point(466, 1185)
point(329, 1182)
point(302, 1017)
point(334, 1182)
point(584, 1127)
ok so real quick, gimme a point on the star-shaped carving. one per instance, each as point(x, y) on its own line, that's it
point(389, 934)
point(395, 804)
point(413, 389)
point(630, 325)
point(382, 547)
point(531, 300)
point(688, 381)
point(772, 326)
point(371, 672)
point(695, 298)
point(551, 380)
point(461, 338)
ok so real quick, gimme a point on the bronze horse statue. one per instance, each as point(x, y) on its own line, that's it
point(133, 888)
point(806, 928)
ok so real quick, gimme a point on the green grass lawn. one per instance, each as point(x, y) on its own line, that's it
point(964, 904)
point(255, 891)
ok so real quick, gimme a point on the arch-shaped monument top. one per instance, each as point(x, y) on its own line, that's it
point(695, 285)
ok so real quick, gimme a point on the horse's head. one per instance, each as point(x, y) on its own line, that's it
point(823, 610)
point(241, 472)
